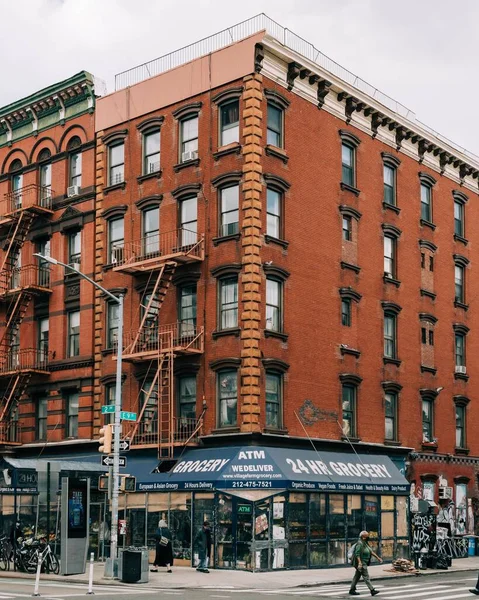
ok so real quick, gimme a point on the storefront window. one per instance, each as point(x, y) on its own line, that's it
point(298, 556)
point(355, 516)
point(387, 516)
point(317, 516)
point(371, 521)
point(401, 517)
point(298, 516)
point(318, 555)
point(337, 552)
point(261, 525)
point(279, 521)
point(179, 521)
point(157, 509)
point(204, 506)
point(336, 516)
point(387, 549)
point(224, 531)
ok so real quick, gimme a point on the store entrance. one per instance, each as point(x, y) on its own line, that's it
point(234, 533)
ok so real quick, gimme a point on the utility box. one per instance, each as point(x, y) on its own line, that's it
point(133, 565)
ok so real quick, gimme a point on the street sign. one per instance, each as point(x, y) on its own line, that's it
point(127, 416)
point(107, 461)
point(109, 408)
point(124, 445)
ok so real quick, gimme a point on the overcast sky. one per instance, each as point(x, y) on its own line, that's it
point(423, 53)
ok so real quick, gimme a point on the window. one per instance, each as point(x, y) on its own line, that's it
point(349, 409)
point(426, 202)
point(229, 122)
point(390, 342)
point(389, 256)
point(151, 230)
point(273, 400)
point(16, 183)
point(274, 292)
point(116, 163)
point(116, 240)
point(72, 403)
point(74, 247)
point(389, 185)
point(228, 317)
point(427, 421)
point(43, 248)
point(45, 180)
point(423, 260)
point(187, 397)
point(346, 312)
point(189, 221)
point(41, 420)
point(228, 397)
point(73, 340)
point(347, 228)
point(110, 398)
point(187, 310)
point(460, 426)
point(43, 338)
point(347, 158)
point(431, 263)
point(150, 306)
point(461, 509)
point(229, 216)
point(459, 283)
point(189, 138)
point(460, 351)
point(274, 133)
point(274, 204)
point(431, 337)
point(390, 412)
point(112, 324)
point(423, 335)
point(151, 152)
point(75, 169)
point(459, 218)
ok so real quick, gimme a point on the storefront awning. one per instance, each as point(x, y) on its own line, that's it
point(261, 468)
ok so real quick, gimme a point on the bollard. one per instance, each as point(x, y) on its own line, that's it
point(90, 578)
point(37, 578)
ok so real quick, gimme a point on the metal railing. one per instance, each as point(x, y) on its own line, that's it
point(25, 359)
point(184, 337)
point(30, 196)
point(27, 276)
point(184, 430)
point(10, 432)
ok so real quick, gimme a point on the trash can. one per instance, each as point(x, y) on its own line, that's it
point(133, 567)
point(471, 545)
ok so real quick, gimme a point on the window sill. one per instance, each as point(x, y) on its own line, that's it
point(70, 274)
point(429, 446)
point(391, 280)
point(391, 361)
point(345, 265)
point(186, 164)
point(276, 334)
point(277, 152)
point(350, 439)
point(459, 238)
point(226, 238)
point(427, 293)
point(225, 429)
point(112, 188)
point(107, 351)
point(225, 332)
point(143, 178)
point(425, 369)
point(462, 376)
point(392, 207)
point(392, 443)
point(275, 430)
point(458, 304)
point(461, 451)
point(349, 188)
point(426, 223)
point(269, 239)
point(233, 148)
point(347, 350)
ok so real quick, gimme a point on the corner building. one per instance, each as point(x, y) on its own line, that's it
point(296, 257)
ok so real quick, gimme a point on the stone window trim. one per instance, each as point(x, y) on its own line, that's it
point(350, 378)
point(183, 279)
point(193, 108)
point(460, 196)
point(115, 291)
point(275, 365)
point(461, 479)
point(460, 400)
point(428, 317)
point(225, 270)
point(348, 293)
point(276, 271)
point(188, 368)
point(114, 136)
point(189, 189)
point(427, 244)
point(44, 156)
point(149, 201)
point(427, 179)
point(111, 379)
point(225, 363)
point(345, 265)
point(350, 211)
point(277, 152)
point(275, 97)
point(152, 123)
point(460, 260)
point(428, 394)
point(70, 386)
point(391, 307)
point(391, 160)
point(349, 138)
point(277, 182)
point(114, 211)
point(392, 387)
point(391, 230)
point(429, 477)
point(460, 328)
point(232, 177)
point(233, 93)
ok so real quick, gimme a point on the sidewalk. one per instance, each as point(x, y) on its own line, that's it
point(188, 578)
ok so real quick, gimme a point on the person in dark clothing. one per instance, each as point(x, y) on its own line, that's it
point(362, 557)
point(164, 550)
point(15, 533)
point(475, 590)
point(203, 539)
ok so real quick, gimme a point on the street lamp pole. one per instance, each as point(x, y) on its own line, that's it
point(118, 400)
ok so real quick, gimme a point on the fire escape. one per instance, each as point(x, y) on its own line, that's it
point(18, 285)
point(157, 345)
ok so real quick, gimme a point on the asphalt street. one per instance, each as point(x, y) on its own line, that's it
point(434, 587)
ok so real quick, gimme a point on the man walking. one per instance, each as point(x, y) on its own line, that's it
point(362, 558)
point(203, 538)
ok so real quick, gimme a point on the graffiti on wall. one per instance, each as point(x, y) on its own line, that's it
point(451, 547)
point(423, 532)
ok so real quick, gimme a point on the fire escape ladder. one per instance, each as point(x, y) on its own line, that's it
point(15, 315)
point(15, 239)
point(165, 402)
point(14, 391)
point(146, 417)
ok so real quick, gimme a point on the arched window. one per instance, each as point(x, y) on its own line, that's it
point(16, 183)
point(45, 174)
point(74, 165)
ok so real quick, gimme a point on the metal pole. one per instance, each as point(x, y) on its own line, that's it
point(116, 433)
point(90, 577)
point(37, 577)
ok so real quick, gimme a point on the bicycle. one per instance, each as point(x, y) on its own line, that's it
point(5, 552)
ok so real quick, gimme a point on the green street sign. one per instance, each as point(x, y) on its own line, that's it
point(109, 408)
point(127, 416)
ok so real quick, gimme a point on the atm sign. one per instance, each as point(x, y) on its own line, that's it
point(245, 509)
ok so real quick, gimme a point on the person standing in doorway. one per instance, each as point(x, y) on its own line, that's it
point(164, 550)
point(203, 539)
point(362, 557)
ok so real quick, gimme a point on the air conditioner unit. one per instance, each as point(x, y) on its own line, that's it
point(73, 190)
point(388, 275)
point(461, 369)
point(185, 156)
point(445, 493)
point(116, 256)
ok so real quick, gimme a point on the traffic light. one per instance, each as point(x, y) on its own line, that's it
point(106, 439)
point(127, 483)
point(103, 482)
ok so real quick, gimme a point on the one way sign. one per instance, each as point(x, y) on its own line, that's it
point(107, 461)
point(124, 445)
